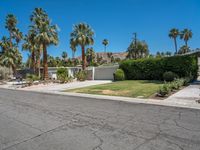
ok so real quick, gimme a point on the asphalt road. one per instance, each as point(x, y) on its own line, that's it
point(34, 121)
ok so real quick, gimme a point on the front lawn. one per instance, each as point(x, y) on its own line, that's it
point(128, 88)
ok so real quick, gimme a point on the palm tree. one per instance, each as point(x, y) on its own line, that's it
point(17, 35)
point(174, 33)
point(143, 49)
point(4, 44)
point(184, 49)
point(105, 43)
point(11, 58)
point(11, 23)
point(46, 34)
point(139, 51)
point(82, 35)
point(31, 45)
point(64, 55)
point(90, 55)
point(73, 48)
point(186, 34)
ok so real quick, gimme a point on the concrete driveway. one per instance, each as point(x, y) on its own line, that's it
point(39, 121)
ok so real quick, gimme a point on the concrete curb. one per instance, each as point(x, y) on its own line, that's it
point(120, 99)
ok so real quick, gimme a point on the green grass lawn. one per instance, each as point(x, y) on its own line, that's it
point(128, 88)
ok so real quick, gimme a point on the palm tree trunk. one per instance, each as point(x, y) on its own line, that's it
point(10, 39)
point(14, 70)
point(186, 43)
point(105, 49)
point(83, 58)
point(175, 42)
point(45, 64)
point(38, 61)
point(33, 61)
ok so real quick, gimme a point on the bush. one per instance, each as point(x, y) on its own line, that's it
point(81, 75)
point(164, 90)
point(62, 74)
point(30, 78)
point(169, 76)
point(171, 86)
point(119, 75)
point(154, 68)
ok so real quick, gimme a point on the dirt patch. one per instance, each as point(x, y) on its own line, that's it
point(110, 92)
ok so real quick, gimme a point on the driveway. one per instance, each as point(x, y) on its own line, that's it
point(39, 121)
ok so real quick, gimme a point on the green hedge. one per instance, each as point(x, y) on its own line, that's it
point(154, 68)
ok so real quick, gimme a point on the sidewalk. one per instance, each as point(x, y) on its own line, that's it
point(187, 96)
point(54, 87)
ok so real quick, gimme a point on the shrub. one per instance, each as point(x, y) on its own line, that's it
point(169, 76)
point(164, 90)
point(81, 75)
point(174, 86)
point(62, 74)
point(154, 68)
point(179, 82)
point(119, 75)
point(30, 78)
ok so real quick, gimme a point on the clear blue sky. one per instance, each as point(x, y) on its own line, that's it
point(115, 20)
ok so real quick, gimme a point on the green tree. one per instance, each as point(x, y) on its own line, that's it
point(105, 42)
point(173, 34)
point(82, 35)
point(186, 35)
point(140, 50)
point(184, 49)
point(46, 34)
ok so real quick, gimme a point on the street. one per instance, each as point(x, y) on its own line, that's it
point(39, 121)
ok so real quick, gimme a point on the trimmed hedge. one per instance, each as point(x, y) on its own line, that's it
point(154, 68)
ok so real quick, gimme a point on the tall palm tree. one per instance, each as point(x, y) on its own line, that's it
point(186, 35)
point(46, 34)
point(11, 23)
point(105, 43)
point(73, 48)
point(17, 35)
point(82, 35)
point(31, 46)
point(174, 33)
